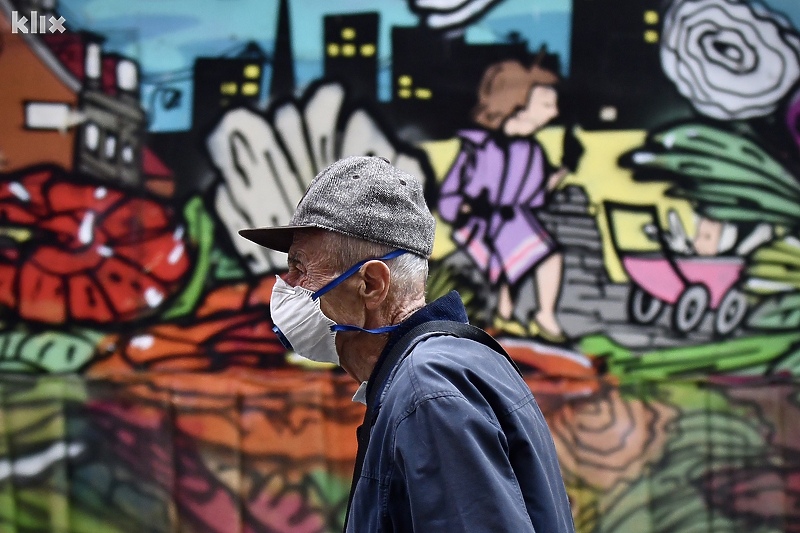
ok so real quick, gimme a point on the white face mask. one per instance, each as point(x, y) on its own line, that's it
point(300, 323)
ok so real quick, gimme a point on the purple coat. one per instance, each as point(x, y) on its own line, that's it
point(513, 172)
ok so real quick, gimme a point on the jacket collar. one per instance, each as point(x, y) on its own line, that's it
point(448, 307)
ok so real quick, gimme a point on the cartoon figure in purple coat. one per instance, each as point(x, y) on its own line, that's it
point(500, 177)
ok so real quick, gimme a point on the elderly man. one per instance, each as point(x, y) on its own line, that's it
point(453, 439)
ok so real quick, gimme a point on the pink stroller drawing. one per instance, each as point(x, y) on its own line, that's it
point(692, 285)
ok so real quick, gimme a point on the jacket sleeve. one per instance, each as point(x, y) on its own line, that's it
point(453, 469)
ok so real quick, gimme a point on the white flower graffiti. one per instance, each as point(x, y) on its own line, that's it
point(266, 165)
point(731, 60)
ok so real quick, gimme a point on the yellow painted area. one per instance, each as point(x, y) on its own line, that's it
point(651, 17)
point(423, 93)
point(249, 89)
point(627, 226)
point(600, 176)
point(651, 36)
point(297, 360)
point(228, 87)
point(443, 245)
point(252, 71)
point(18, 234)
point(441, 155)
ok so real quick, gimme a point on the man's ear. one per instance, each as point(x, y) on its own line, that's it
point(375, 287)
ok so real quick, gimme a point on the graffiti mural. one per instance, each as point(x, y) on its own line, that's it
point(617, 197)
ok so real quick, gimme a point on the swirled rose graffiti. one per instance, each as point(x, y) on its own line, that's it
point(731, 60)
point(609, 437)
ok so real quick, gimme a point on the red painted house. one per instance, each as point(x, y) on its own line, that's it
point(64, 101)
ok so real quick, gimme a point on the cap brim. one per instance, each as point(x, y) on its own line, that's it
point(277, 238)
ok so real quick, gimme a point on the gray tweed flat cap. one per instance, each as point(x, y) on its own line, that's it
point(363, 197)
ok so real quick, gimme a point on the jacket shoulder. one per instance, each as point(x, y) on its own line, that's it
point(448, 365)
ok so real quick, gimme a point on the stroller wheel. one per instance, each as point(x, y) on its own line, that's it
point(731, 312)
point(643, 308)
point(691, 307)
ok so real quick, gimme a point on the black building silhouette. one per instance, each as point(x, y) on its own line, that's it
point(224, 82)
point(351, 52)
point(435, 78)
point(282, 83)
point(615, 78)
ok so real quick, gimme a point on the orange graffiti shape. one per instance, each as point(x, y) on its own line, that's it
point(609, 438)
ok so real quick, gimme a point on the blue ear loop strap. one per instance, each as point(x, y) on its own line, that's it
point(352, 270)
point(282, 338)
point(349, 272)
point(345, 327)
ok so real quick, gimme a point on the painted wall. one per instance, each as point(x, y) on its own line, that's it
point(617, 198)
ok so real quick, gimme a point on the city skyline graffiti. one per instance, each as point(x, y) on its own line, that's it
point(617, 201)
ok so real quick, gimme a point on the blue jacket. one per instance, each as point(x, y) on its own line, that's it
point(459, 444)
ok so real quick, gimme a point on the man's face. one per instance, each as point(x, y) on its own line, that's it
point(310, 268)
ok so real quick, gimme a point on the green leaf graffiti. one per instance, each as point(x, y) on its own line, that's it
point(201, 231)
point(752, 354)
point(49, 351)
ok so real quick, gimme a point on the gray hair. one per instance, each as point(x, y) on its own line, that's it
point(409, 271)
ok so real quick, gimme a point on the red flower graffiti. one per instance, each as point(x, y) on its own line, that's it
point(80, 252)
